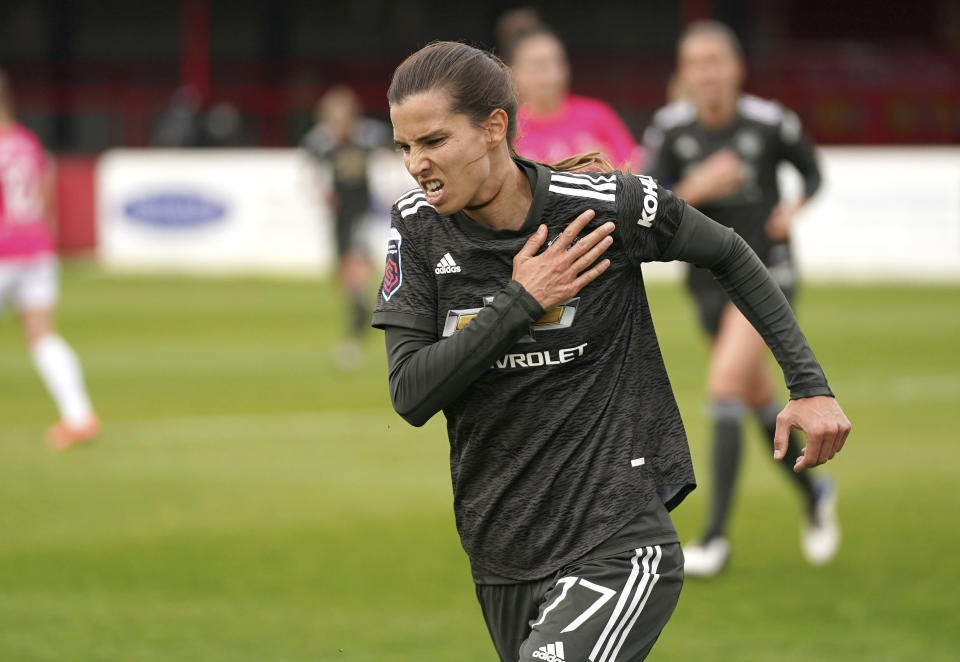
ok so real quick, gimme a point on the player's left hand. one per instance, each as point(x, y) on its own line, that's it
point(781, 221)
point(822, 421)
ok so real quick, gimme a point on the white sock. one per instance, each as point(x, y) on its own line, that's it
point(60, 371)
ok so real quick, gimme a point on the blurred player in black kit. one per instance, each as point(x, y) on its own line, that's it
point(513, 301)
point(344, 139)
point(719, 149)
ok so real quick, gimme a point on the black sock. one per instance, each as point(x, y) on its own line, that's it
point(726, 462)
point(767, 415)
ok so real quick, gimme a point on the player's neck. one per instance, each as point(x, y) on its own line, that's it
point(6, 120)
point(509, 201)
point(718, 115)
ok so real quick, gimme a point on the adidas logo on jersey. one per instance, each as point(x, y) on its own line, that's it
point(446, 265)
point(550, 652)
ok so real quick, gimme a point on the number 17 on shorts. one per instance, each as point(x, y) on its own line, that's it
point(608, 609)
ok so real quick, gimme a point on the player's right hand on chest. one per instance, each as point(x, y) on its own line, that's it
point(564, 268)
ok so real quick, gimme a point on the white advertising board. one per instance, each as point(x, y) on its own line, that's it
point(208, 211)
point(882, 213)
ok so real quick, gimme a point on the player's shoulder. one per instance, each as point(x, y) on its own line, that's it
point(372, 133)
point(318, 141)
point(675, 115)
point(588, 105)
point(587, 189)
point(411, 208)
point(668, 122)
point(644, 204)
point(764, 111)
point(26, 133)
point(772, 114)
point(21, 135)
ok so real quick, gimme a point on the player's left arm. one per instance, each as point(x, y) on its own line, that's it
point(667, 229)
point(812, 407)
point(795, 146)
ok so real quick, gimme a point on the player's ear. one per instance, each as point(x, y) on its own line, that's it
point(496, 127)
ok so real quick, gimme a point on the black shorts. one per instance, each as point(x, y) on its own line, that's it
point(347, 225)
point(712, 299)
point(604, 609)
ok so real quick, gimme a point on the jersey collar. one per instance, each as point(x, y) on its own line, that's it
point(539, 177)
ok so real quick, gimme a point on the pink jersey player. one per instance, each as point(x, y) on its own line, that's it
point(580, 124)
point(554, 124)
point(23, 166)
point(29, 275)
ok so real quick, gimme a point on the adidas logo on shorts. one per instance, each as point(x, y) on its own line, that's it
point(446, 265)
point(550, 652)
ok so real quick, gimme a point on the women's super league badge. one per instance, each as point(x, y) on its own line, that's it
point(392, 273)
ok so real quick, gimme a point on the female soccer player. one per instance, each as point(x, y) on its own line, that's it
point(344, 139)
point(28, 274)
point(719, 150)
point(553, 123)
point(513, 300)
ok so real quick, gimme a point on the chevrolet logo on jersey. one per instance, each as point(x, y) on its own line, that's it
point(558, 317)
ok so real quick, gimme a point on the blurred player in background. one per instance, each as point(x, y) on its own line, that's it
point(344, 140)
point(719, 149)
point(554, 123)
point(513, 301)
point(29, 273)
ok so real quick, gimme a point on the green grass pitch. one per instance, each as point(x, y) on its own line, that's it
point(247, 501)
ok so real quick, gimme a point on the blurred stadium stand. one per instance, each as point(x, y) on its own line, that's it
point(94, 75)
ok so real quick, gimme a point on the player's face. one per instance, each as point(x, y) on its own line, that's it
point(444, 151)
point(340, 113)
point(710, 72)
point(540, 70)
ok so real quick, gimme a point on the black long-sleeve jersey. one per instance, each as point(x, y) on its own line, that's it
point(563, 425)
point(763, 134)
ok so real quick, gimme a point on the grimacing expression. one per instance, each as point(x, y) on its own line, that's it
point(709, 69)
point(540, 70)
point(445, 152)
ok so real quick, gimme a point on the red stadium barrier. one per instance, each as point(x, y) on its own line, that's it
point(76, 204)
